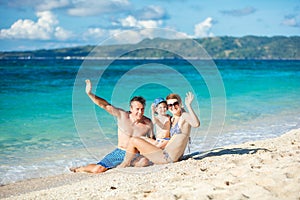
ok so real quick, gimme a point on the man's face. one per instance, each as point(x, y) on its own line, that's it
point(137, 109)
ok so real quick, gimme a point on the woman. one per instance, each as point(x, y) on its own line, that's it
point(182, 122)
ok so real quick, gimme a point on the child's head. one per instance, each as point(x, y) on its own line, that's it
point(160, 105)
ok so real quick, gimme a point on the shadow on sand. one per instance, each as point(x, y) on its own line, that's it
point(222, 151)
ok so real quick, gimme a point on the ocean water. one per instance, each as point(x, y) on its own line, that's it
point(48, 124)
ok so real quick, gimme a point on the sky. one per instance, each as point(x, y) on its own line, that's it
point(51, 24)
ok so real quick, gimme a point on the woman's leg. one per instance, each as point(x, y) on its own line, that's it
point(145, 148)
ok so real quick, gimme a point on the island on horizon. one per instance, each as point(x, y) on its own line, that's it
point(226, 47)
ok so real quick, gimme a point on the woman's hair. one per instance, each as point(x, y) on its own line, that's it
point(174, 96)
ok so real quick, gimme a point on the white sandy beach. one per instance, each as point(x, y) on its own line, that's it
point(268, 169)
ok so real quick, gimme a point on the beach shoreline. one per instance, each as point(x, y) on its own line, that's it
point(266, 169)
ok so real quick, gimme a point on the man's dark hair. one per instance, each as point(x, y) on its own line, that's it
point(139, 99)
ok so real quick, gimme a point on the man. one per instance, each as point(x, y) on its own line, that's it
point(130, 124)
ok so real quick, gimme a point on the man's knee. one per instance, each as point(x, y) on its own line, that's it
point(98, 169)
point(134, 140)
point(142, 162)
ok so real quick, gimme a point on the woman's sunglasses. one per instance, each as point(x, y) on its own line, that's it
point(173, 104)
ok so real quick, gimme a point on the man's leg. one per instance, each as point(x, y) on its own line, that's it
point(129, 156)
point(111, 160)
point(91, 168)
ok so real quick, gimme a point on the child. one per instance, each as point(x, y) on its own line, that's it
point(161, 121)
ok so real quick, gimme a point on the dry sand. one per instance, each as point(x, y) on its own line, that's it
point(268, 169)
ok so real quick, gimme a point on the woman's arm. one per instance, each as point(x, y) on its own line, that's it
point(191, 117)
point(162, 144)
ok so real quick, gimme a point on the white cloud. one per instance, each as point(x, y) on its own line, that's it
point(45, 5)
point(149, 23)
point(44, 29)
point(93, 34)
point(291, 20)
point(132, 30)
point(134, 36)
point(28, 29)
point(129, 21)
point(132, 22)
point(240, 12)
point(128, 30)
point(152, 12)
point(62, 34)
point(203, 28)
point(126, 37)
point(117, 36)
point(94, 7)
point(74, 7)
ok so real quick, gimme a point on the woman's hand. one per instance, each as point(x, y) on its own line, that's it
point(189, 98)
point(192, 118)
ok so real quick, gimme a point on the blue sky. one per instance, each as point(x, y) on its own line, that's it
point(48, 24)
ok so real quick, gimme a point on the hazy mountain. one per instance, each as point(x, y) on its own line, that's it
point(248, 47)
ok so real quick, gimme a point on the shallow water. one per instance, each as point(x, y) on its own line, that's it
point(48, 124)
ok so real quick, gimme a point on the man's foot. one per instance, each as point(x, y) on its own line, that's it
point(91, 168)
point(74, 169)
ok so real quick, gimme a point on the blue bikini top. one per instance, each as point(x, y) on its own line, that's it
point(175, 130)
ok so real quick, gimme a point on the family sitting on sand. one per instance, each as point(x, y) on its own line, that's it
point(137, 145)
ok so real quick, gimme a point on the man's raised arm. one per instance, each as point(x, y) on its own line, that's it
point(100, 101)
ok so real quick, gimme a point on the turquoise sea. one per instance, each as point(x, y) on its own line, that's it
point(48, 124)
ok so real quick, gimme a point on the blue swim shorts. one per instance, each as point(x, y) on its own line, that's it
point(113, 159)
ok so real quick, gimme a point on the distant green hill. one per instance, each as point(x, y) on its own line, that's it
point(248, 47)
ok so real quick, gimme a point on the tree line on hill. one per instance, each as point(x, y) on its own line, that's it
point(247, 47)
